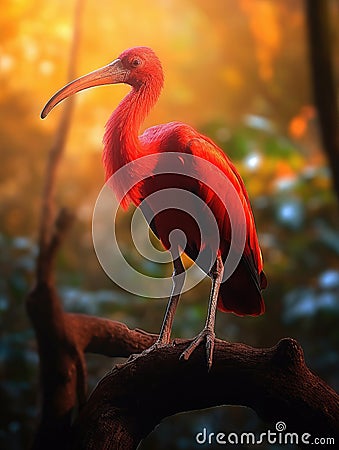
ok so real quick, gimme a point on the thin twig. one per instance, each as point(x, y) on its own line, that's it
point(47, 215)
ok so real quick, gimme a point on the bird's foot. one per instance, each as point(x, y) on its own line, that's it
point(207, 335)
point(157, 344)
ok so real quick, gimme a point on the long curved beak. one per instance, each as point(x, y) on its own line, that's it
point(113, 73)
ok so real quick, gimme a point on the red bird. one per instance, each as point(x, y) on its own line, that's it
point(241, 292)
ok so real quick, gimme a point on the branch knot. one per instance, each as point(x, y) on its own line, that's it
point(289, 354)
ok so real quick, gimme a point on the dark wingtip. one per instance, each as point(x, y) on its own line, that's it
point(263, 280)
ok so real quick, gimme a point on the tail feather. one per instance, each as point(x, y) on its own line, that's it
point(241, 294)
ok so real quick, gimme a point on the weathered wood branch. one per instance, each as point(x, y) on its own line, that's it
point(107, 337)
point(275, 382)
point(63, 340)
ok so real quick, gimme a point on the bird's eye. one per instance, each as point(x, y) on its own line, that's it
point(136, 62)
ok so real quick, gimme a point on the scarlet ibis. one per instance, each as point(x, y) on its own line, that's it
point(140, 68)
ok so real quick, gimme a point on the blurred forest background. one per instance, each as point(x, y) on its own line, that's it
point(239, 72)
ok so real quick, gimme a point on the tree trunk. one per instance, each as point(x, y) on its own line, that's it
point(324, 82)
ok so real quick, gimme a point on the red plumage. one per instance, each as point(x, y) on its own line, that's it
point(241, 293)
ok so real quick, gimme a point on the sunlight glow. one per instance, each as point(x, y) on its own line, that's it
point(285, 183)
point(329, 279)
point(291, 213)
point(30, 48)
point(253, 161)
point(46, 67)
point(6, 63)
point(258, 122)
point(64, 30)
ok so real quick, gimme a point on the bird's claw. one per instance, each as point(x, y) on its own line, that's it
point(207, 335)
point(157, 344)
point(153, 347)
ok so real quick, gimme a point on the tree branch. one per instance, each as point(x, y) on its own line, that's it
point(47, 214)
point(108, 337)
point(134, 397)
point(62, 362)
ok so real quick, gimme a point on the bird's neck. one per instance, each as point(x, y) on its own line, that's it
point(121, 141)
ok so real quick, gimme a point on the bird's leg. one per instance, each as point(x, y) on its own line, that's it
point(207, 334)
point(178, 278)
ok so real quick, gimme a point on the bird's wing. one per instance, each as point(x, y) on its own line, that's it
point(204, 148)
point(241, 293)
point(181, 138)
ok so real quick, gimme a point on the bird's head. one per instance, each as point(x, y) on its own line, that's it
point(137, 66)
point(142, 66)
